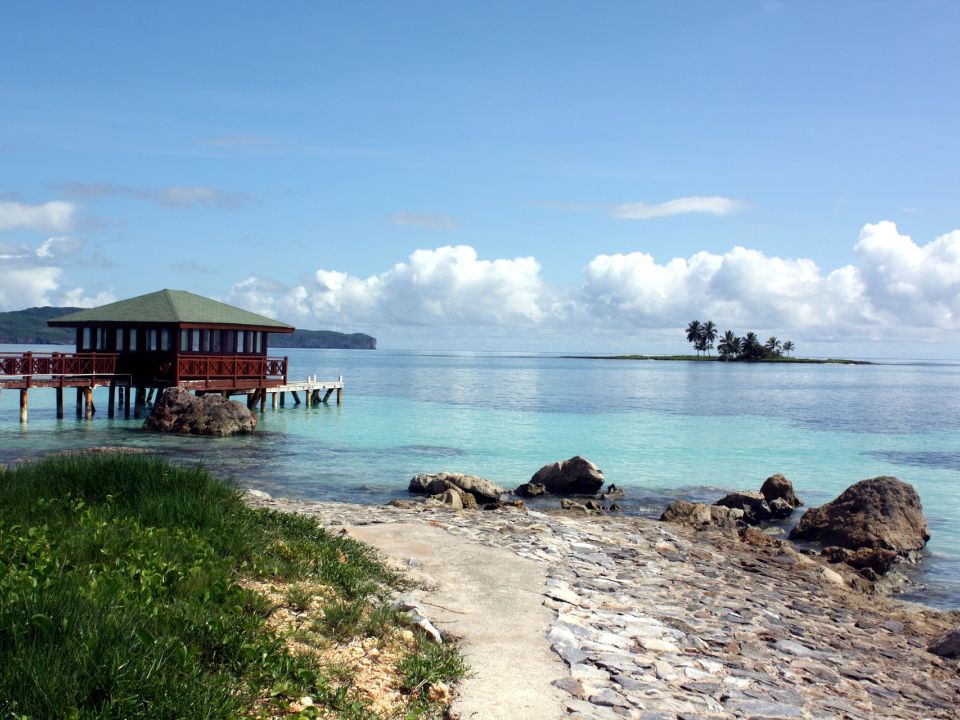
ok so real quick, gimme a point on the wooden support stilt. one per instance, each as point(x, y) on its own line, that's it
point(327, 394)
point(79, 402)
point(88, 401)
point(226, 394)
point(275, 400)
point(23, 405)
point(150, 396)
point(283, 399)
point(126, 402)
point(112, 399)
point(59, 403)
point(139, 401)
point(296, 398)
point(263, 399)
point(339, 396)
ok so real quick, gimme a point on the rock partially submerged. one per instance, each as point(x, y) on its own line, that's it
point(530, 489)
point(483, 490)
point(701, 516)
point(180, 411)
point(775, 501)
point(881, 513)
point(576, 476)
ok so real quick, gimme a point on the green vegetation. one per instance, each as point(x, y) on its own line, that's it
point(747, 348)
point(327, 339)
point(131, 588)
point(30, 326)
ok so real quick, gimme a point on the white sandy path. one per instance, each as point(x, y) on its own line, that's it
point(493, 601)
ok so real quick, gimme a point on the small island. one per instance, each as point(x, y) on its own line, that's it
point(731, 348)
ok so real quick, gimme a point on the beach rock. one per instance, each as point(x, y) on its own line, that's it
point(878, 560)
point(701, 516)
point(613, 493)
point(500, 504)
point(451, 498)
point(590, 507)
point(484, 490)
point(754, 506)
point(576, 476)
point(180, 411)
point(948, 644)
point(529, 490)
point(778, 487)
point(882, 512)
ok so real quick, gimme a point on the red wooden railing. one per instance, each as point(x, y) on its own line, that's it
point(29, 364)
point(230, 367)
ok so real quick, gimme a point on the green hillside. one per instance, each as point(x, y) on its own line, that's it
point(30, 327)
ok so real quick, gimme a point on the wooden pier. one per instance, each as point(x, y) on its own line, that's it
point(86, 371)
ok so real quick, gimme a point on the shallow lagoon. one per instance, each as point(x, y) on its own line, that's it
point(661, 429)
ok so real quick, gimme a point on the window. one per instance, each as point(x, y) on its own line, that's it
point(258, 340)
point(118, 340)
point(85, 343)
point(165, 339)
point(133, 339)
point(152, 339)
point(231, 340)
point(101, 335)
point(216, 340)
point(184, 340)
point(205, 334)
point(241, 337)
point(195, 341)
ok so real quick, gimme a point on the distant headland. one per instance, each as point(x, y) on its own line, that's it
point(30, 327)
point(707, 358)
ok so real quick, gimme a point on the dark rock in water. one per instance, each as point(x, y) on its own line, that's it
point(500, 504)
point(576, 476)
point(701, 516)
point(882, 513)
point(180, 411)
point(529, 490)
point(615, 507)
point(778, 487)
point(613, 493)
point(753, 504)
point(948, 644)
point(877, 560)
point(433, 483)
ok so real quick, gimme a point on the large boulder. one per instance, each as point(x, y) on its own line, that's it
point(882, 513)
point(576, 476)
point(777, 487)
point(178, 410)
point(701, 516)
point(485, 491)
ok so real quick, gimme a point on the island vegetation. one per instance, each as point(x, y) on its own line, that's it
point(133, 588)
point(748, 348)
point(29, 327)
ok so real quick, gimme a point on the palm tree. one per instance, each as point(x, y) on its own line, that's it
point(708, 335)
point(750, 347)
point(729, 345)
point(693, 334)
point(788, 347)
point(772, 346)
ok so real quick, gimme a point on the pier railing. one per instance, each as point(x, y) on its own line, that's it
point(213, 368)
point(30, 364)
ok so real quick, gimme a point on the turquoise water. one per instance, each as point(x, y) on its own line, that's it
point(661, 429)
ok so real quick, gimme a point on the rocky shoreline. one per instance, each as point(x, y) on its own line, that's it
point(660, 621)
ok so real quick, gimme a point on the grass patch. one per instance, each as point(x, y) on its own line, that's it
point(125, 592)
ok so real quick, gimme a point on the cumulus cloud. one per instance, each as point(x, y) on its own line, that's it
point(431, 221)
point(705, 205)
point(446, 286)
point(895, 287)
point(53, 216)
point(78, 297)
point(182, 196)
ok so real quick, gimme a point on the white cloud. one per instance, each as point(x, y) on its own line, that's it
point(27, 287)
point(431, 221)
point(706, 205)
point(57, 246)
point(53, 216)
point(895, 289)
point(78, 297)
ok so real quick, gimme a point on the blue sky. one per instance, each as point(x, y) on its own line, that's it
point(287, 156)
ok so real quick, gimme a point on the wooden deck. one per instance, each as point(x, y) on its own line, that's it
point(253, 377)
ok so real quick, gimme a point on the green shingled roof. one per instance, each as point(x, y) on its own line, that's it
point(170, 306)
